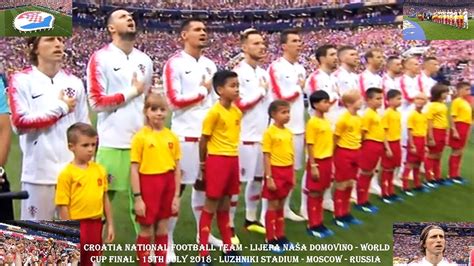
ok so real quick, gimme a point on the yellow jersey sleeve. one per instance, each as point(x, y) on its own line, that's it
point(210, 122)
point(311, 131)
point(461, 111)
point(267, 142)
point(63, 188)
point(136, 149)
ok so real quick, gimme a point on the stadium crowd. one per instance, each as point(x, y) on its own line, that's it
point(456, 57)
point(64, 6)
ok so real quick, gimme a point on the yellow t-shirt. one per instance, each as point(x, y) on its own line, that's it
point(155, 151)
point(223, 127)
point(349, 131)
point(438, 112)
point(372, 123)
point(319, 134)
point(391, 122)
point(278, 142)
point(82, 190)
point(461, 111)
point(418, 124)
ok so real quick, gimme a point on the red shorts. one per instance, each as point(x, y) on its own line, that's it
point(419, 155)
point(463, 130)
point(222, 176)
point(157, 194)
point(284, 182)
point(91, 233)
point(396, 160)
point(440, 140)
point(371, 152)
point(325, 174)
point(346, 162)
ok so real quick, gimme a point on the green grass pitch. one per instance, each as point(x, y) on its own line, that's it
point(435, 31)
point(445, 204)
point(62, 23)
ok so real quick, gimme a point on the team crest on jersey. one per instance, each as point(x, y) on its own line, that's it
point(33, 21)
point(99, 182)
point(237, 122)
point(170, 145)
point(32, 210)
point(242, 171)
point(142, 68)
point(208, 70)
point(70, 92)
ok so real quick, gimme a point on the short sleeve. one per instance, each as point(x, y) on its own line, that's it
point(455, 109)
point(209, 122)
point(411, 121)
point(385, 120)
point(63, 188)
point(103, 176)
point(366, 121)
point(177, 151)
point(311, 131)
point(430, 112)
point(136, 149)
point(340, 126)
point(267, 142)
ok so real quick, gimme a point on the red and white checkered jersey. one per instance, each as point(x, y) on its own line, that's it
point(389, 83)
point(109, 84)
point(254, 100)
point(425, 262)
point(182, 78)
point(321, 80)
point(367, 80)
point(409, 88)
point(41, 119)
point(426, 83)
point(345, 80)
point(284, 81)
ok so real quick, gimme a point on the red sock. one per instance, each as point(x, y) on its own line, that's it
point(315, 211)
point(270, 220)
point(143, 255)
point(406, 174)
point(386, 176)
point(391, 188)
point(363, 184)
point(347, 200)
point(338, 203)
point(224, 227)
point(428, 169)
point(204, 231)
point(161, 241)
point(437, 169)
point(280, 224)
point(416, 177)
point(454, 161)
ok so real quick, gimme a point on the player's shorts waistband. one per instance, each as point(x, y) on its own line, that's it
point(249, 142)
point(190, 139)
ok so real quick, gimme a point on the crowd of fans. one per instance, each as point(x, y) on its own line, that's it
point(222, 4)
point(19, 249)
point(64, 6)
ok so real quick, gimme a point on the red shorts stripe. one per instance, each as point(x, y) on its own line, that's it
point(440, 140)
point(222, 176)
point(463, 131)
point(346, 163)
point(396, 160)
point(419, 155)
point(91, 233)
point(325, 175)
point(284, 182)
point(372, 152)
point(157, 194)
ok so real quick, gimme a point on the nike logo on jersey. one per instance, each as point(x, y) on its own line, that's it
point(187, 72)
point(116, 68)
point(36, 96)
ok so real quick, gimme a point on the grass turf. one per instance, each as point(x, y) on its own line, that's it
point(435, 31)
point(445, 204)
point(62, 23)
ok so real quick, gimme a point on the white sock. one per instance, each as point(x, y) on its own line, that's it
point(197, 203)
point(171, 226)
point(233, 208)
point(264, 210)
point(304, 197)
point(287, 208)
point(253, 190)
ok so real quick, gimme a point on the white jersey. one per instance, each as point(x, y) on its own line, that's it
point(42, 119)
point(182, 78)
point(109, 84)
point(321, 80)
point(425, 83)
point(368, 80)
point(466, 16)
point(389, 83)
point(424, 262)
point(284, 81)
point(253, 102)
point(345, 80)
point(410, 88)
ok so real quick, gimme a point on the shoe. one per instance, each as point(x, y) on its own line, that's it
point(458, 180)
point(341, 223)
point(448, 182)
point(395, 197)
point(386, 200)
point(432, 184)
point(290, 215)
point(319, 231)
point(237, 256)
point(285, 244)
point(216, 242)
point(275, 247)
point(408, 192)
point(367, 207)
point(254, 226)
point(205, 261)
point(352, 220)
point(422, 189)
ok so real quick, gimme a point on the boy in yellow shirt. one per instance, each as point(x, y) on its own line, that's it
point(218, 152)
point(461, 120)
point(81, 191)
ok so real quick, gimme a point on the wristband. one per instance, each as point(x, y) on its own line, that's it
point(268, 176)
point(137, 194)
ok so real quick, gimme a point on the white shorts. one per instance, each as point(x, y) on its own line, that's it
point(298, 145)
point(250, 161)
point(40, 203)
point(189, 162)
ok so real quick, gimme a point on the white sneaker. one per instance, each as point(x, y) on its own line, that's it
point(328, 204)
point(289, 214)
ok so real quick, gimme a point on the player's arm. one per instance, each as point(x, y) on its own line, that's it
point(82, 109)
point(23, 118)
point(173, 90)
point(63, 212)
point(280, 93)
point(411, 143)
point(431, 141)
point(246, 102)
point(5, 136)
point(62, 197)
point(452, 117)
point(177, 177)
point(109, 219)
point(99, 100)
point(136, 151)
point(311, 136)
